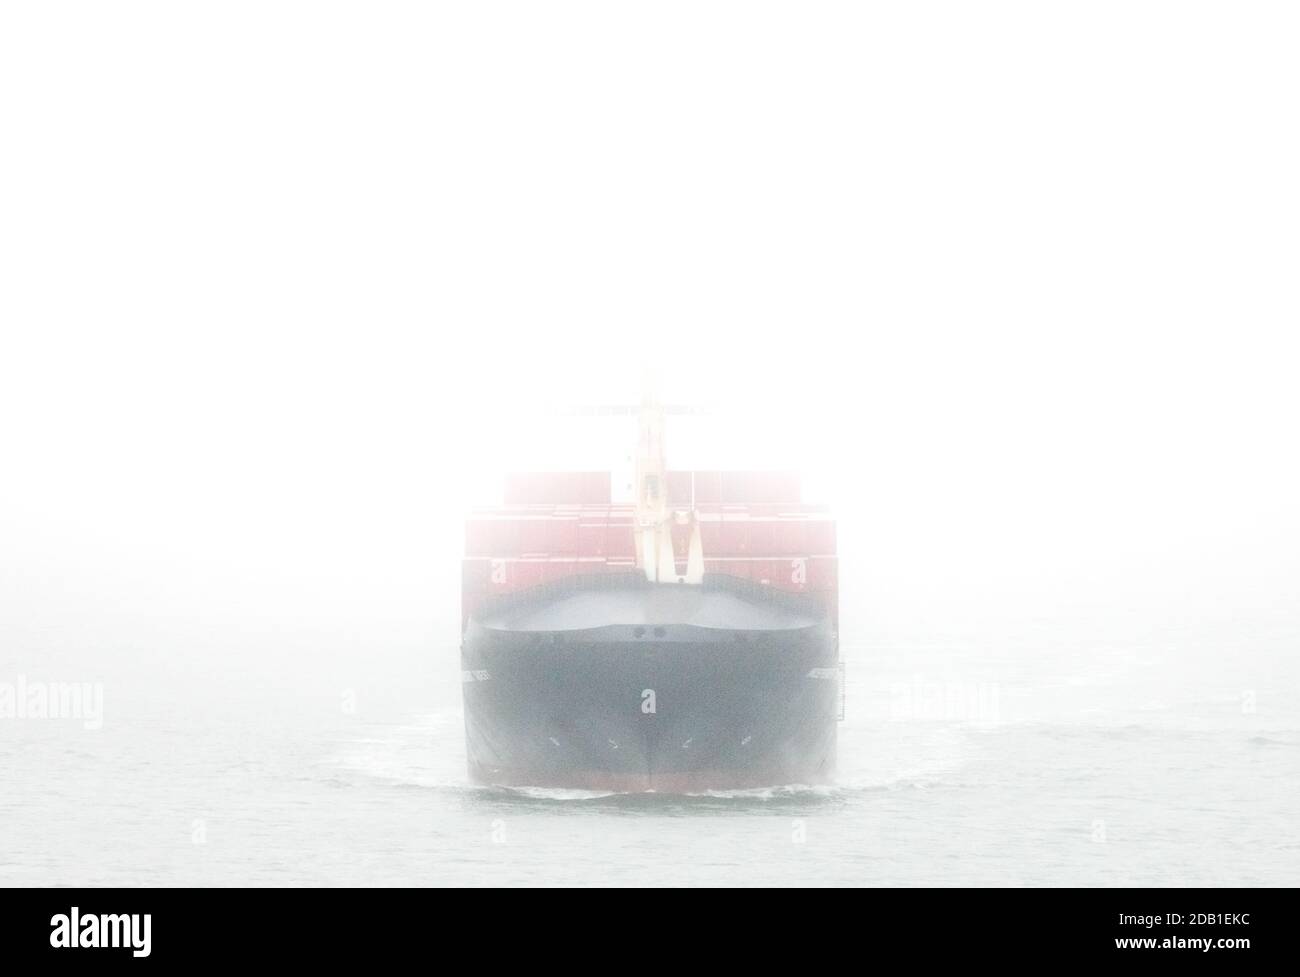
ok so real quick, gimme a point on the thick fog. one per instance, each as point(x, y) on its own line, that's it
point(285, 285)
point(284, 288)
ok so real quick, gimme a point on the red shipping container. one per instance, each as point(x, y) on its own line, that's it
point(620, 543)
point(735, 534)
point(562, 535)
point(592, 532)
point(762, 536)
point(711, 533)
point(529, 535)
point(791, 536)
point(557, 533)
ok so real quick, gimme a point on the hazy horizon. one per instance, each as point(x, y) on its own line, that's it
point(286, 287)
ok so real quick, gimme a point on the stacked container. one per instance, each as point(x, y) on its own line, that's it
point(753, 525)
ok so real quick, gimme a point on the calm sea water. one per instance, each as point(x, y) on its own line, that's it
point(962, 763)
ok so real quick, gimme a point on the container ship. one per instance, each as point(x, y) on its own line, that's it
point(682, 640)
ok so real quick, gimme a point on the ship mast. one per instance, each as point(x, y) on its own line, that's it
point(655, 518)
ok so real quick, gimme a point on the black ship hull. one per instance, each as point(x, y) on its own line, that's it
point(613, 683)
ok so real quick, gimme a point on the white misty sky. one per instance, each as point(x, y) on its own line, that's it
point(283, 285)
